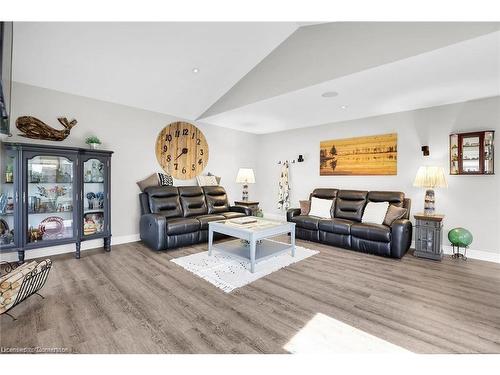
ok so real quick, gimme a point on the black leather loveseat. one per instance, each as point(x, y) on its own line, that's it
point(345, 229)
point(178, 216)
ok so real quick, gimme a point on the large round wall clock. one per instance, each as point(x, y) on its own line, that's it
point(182, 150)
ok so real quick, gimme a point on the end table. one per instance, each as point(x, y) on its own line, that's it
point(429, 236)
point(253, 205)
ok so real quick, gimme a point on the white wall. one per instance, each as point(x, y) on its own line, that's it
point(131, 133)
point(470, 201)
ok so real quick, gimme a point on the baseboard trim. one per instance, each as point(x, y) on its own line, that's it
point(486, 256)
point(70, 248)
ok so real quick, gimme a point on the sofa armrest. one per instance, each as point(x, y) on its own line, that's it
point(291, 213)
point(401, 232)
point(153, 231)
point(242, 209)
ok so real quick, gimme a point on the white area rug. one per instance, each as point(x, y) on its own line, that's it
point(325, 335)
point(228, 273)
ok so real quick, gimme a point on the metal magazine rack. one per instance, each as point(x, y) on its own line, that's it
point(31, 284)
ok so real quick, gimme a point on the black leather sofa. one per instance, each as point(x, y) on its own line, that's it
point(178, 216)
point(345, 229)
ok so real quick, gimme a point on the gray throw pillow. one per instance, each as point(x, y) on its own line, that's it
point(148, 181)
point(394, 213)
point(305, 207)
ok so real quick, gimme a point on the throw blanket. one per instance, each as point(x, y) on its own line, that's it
point(284, 188)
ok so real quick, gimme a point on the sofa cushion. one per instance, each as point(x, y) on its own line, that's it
point(181, 225)
point(192, 200)
point(372, 232)
point(232, 215)
point(216, 198)
point(164, 200)
point(338, 226)
point(350, 204)
point(306, 221)
point(205, 219)
point(395, 198)
point(324, 193)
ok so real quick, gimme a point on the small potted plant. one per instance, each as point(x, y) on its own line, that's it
point(93, 142)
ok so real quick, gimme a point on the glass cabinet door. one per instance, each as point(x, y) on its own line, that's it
point(50, 199)
point(8, 199)
point(471, 154)
point(94, 199)
point(489, 156)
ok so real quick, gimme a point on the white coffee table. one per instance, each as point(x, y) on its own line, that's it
point(257, 234)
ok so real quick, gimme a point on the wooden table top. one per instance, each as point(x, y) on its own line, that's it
point(434, 217)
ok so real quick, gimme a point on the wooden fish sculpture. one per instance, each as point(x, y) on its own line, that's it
point(34, 128)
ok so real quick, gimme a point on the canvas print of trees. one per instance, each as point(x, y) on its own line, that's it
point(372, 155)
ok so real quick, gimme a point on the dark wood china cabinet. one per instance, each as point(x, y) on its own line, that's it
point(472, 153)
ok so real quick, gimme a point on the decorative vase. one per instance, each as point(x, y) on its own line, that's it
point(94, 146)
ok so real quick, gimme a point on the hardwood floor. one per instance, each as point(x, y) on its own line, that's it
point(134, 300)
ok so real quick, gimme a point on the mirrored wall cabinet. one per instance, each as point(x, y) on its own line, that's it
point(52, 195)
point(472, 153)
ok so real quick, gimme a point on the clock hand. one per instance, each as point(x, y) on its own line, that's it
point(184, 151)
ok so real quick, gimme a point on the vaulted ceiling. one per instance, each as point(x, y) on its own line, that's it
point(144, 65)
point(263, 77)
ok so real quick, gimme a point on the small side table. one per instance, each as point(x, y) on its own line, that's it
point(429, 236)
point(253, 205)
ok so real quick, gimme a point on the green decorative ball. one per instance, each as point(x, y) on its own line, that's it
point(460, 237)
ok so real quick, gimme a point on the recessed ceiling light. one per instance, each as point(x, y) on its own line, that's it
point(343, 106)
point(329, 94)
point(196, 70)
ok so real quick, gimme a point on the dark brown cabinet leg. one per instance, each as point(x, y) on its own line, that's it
point(77, 254)
point(107, 244)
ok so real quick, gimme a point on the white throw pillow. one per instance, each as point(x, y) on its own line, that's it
point(320, 207)
point(375, 212)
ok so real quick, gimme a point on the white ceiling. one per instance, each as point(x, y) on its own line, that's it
point(460, 72)
point(263, 77)
point(144, 65)
point(320, 53)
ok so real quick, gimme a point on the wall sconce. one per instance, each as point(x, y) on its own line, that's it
point(425, 150)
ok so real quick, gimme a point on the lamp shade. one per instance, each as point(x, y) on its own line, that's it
point(430, 177)
point(245, 176)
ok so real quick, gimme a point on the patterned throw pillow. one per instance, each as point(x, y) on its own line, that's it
point(394, 213)
point(305, 207)
point(206, 181)
point(216, 177)
point(165, 180)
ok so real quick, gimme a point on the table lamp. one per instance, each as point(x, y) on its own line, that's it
point(430, 178)
point(245, 177)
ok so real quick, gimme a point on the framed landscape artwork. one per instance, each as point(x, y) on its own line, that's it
point(372, 155)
